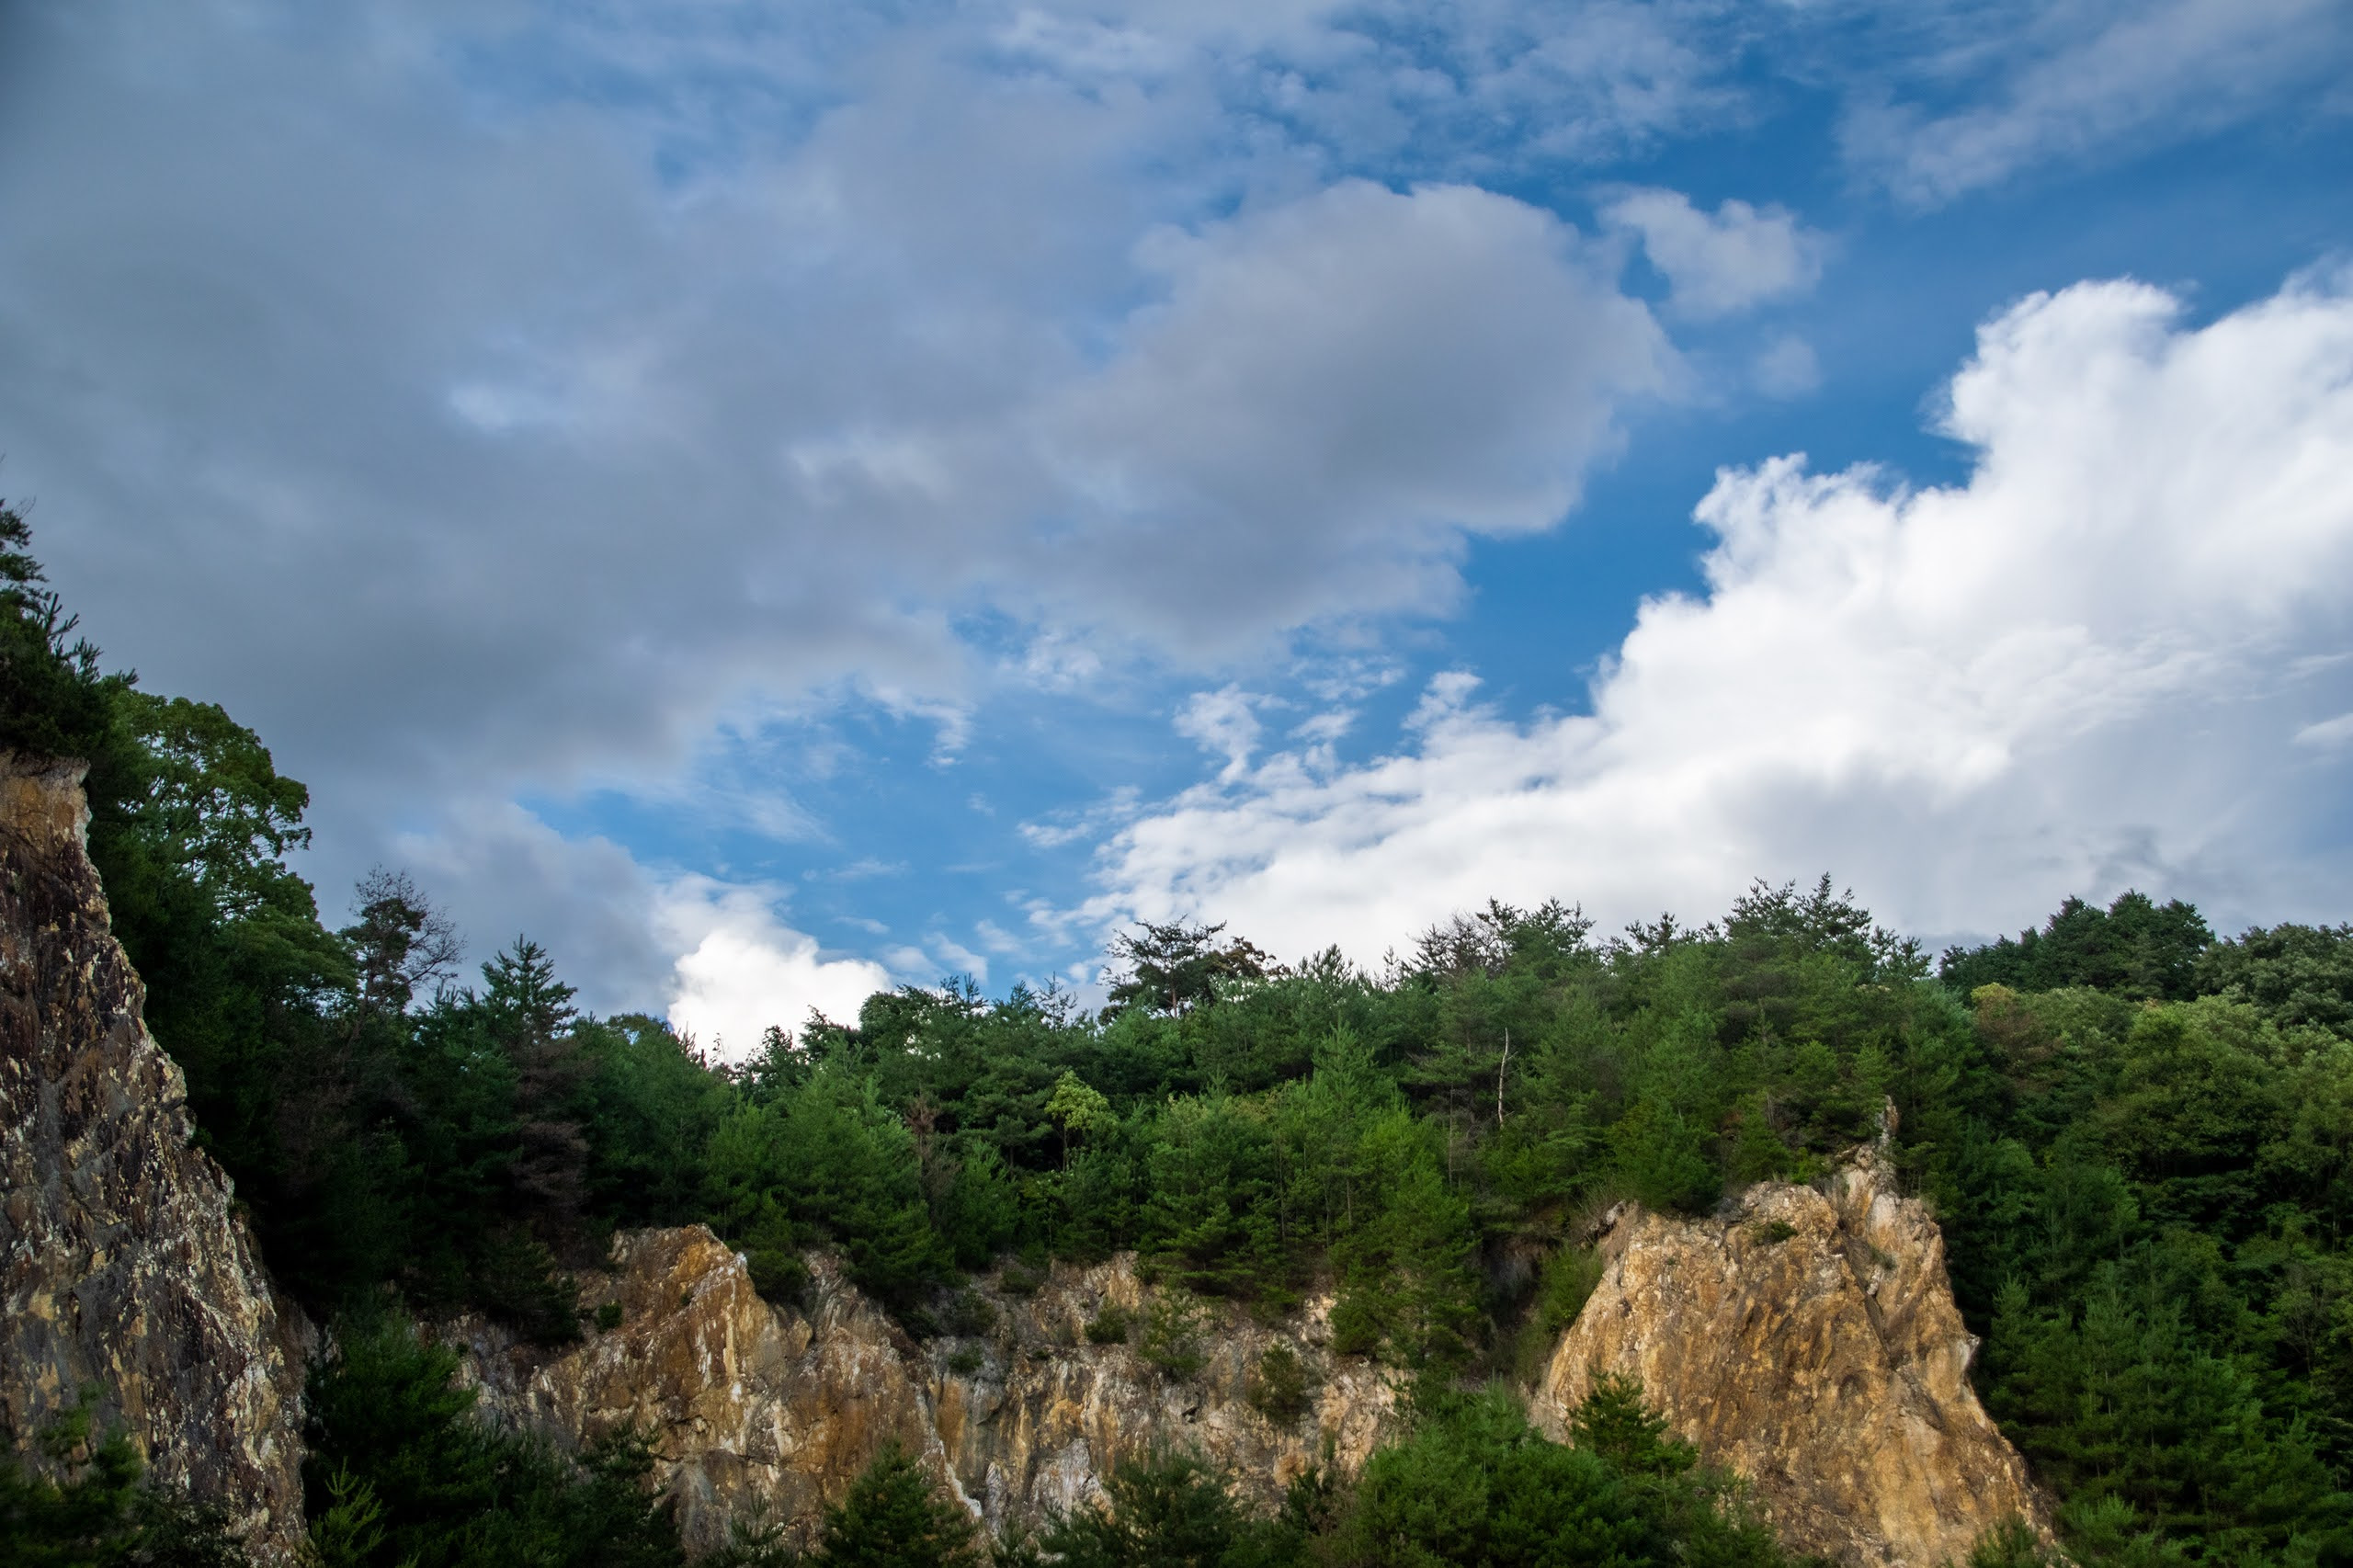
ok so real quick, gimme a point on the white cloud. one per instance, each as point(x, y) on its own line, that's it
point(1716, 264)
point(1331, 393)
point(1071, 826)
point(2074, 672)
point(2328, 734)
point(1324, 728)
point(741, 969)
point(1224, 722)
point(2070, 81)
point(957, 958)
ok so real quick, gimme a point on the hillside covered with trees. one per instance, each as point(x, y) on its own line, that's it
point(2138, 1137)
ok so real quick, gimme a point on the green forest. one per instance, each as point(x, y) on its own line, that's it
point(2137, 1135)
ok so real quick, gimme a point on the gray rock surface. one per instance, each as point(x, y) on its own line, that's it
point(125, 1270)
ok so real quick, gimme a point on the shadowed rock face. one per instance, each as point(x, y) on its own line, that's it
point(123, 1269)
point(756, 1409)
point(1811, 1343)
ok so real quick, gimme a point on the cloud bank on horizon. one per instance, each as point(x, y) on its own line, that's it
point(777, 505)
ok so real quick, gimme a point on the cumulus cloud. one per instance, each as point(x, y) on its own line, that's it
point(495, 403)
point(2080, 670)
point(1330, 394)
point(473, 441)
point(1721, 262)
point(742, 970)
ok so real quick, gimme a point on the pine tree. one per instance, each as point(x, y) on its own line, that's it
point(895, 1518)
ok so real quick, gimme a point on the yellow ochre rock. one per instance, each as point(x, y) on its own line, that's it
point(1808, 1342)
point(764, 1411)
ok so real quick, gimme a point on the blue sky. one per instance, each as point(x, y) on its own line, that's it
point(777, 500)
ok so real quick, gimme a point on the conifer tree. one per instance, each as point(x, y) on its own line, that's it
point(895, 1517)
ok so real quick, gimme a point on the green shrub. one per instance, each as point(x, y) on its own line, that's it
point(967, 1315)
point(609, 1317)
point(964, 1360)
point(1109, 1326)
point(893, 1517)
point(780, 1278)
point(519, 1281)
point(1356, 1326)
point(1567, 1283)
point(1283, 1390)
point(1172, 1333)
point(2011, 1544)
point(99, 1512)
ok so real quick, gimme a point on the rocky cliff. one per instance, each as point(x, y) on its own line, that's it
point(758, 1409)
point(1810, 1343)
point(125, 1273)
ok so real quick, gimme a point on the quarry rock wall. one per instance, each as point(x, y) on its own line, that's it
point(1809, 1342)
point(126, 1275)
point(760, 1410)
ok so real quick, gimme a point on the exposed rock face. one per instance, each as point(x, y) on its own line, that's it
point(751, 1408)
point(1811, 1343)
point(755, 1408)
point(1048, 1414)
point(123, 1268)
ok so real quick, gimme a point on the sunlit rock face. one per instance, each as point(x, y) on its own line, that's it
point(763, 1412)
point(1048, 1414)
point(1810, 1343)
point(124, 1270)
point(754, 1412)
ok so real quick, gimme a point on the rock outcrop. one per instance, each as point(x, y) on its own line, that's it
point(125, 1272)
point(761, 1411)
point(1809, 1343)
point(1047, 1415)
point(754, 1410)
